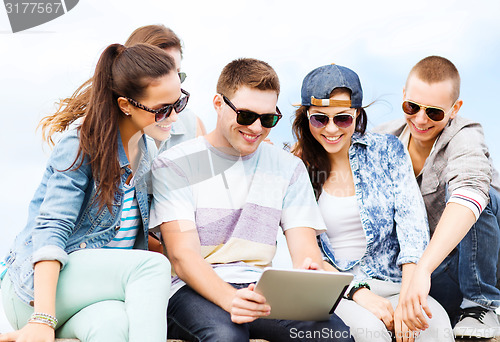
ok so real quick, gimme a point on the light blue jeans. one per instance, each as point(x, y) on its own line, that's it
point(470, 272)
point(105, 295)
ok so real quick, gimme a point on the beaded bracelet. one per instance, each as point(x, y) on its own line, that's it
point(43, 318)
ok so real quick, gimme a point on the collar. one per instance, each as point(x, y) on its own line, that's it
point(122, 157)
point(178, 128)
point(365, 139)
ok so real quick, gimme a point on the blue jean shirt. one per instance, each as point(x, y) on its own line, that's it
point(63, 217)
point(392, 211)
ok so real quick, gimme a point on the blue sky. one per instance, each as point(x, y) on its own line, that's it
point(380, 40)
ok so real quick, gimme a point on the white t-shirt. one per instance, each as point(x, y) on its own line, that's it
point(344, 229)
point(237, 203)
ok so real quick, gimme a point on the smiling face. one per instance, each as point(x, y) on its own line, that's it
point(335, 140)
point(160, 131)
point(238, 139)
point(439, 94)
point(159, 93)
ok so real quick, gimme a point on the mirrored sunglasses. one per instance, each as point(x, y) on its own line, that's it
point(433, 113)
point(164, 112)
point(246, 117)
point(320, 120)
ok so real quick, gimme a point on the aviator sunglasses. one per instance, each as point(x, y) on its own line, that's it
point(320, 120)
point(163, 112)
point(433, 113)
point(247, 117)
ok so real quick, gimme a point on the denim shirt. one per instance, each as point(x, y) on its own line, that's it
point(63, 217)
point(390, 205)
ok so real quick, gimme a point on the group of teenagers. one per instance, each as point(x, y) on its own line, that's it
point(412, 210)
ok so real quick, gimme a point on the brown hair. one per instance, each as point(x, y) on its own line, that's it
point(310, 150)
point(157, 35)
point(75, 107)
point(435, 69)
point(120, 71)
point(247, 72)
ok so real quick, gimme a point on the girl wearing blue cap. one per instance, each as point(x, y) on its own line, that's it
point(371, 204)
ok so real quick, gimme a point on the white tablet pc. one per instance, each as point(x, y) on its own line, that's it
point(303, 295)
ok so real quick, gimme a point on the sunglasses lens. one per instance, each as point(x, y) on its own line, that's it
point(342, 120)
point(181, 104)
point(435, 114)
point(269, 120)
point(164, 113)
point(319, 120)
point(182, 76)
point(410, 108)
point(245, 118)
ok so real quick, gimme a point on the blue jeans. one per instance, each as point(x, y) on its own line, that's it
point(470, 271)
point(193, 318)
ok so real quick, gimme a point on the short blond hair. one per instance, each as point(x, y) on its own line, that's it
point(435, 69)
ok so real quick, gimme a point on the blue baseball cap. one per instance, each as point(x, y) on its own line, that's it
point(319, 83)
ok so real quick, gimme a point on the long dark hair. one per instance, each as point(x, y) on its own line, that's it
point(120, 71)
point(310, 150)
point(75, 107)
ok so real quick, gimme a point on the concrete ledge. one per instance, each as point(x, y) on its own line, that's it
point(75, 340)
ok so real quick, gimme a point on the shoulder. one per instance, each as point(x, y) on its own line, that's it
point(394, 127)
point(378, 142)
point(67, 147)
point(278, 155)
point(462, 129)
point(187, 148)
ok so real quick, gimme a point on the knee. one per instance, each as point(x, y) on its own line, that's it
point(157, 265)
point(102, 321)
point(110, 328)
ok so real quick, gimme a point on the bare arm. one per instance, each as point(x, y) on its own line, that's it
point(46, 277)
point(184, 252)
point(303, 248)
point(452, 227)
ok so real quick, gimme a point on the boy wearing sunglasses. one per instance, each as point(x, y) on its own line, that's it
point(460, 190)
point(219, 201)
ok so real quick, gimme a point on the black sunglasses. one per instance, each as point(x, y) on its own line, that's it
point(434, 113)
point(163, 112)
point(246, 117)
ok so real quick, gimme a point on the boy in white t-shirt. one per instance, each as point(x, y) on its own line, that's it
point(219, 200)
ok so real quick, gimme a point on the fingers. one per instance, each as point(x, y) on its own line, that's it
point(248, 305)
point(425, 307)
point(420, 322)
point(8, 337)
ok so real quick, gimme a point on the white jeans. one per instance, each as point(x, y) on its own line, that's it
point(366, 327)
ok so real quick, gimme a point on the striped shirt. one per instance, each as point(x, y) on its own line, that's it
point(237, 203)
point(130, 221)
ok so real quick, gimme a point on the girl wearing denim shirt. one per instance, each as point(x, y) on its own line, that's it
point(68, 269)
point(188, 126)
point(371, 204)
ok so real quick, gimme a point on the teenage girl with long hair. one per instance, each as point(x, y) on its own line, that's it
point(188, 125)
point(72, 272)
point(371, 204)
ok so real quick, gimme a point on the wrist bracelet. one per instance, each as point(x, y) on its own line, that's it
point(356, 288)
point(37, 317)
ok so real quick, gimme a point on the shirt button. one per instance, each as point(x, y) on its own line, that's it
point(122, 171)
point(117, 228)
point(32, 303)
point(83, 245)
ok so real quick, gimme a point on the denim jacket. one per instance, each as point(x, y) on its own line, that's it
point(392, 211)
point(63, 217)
